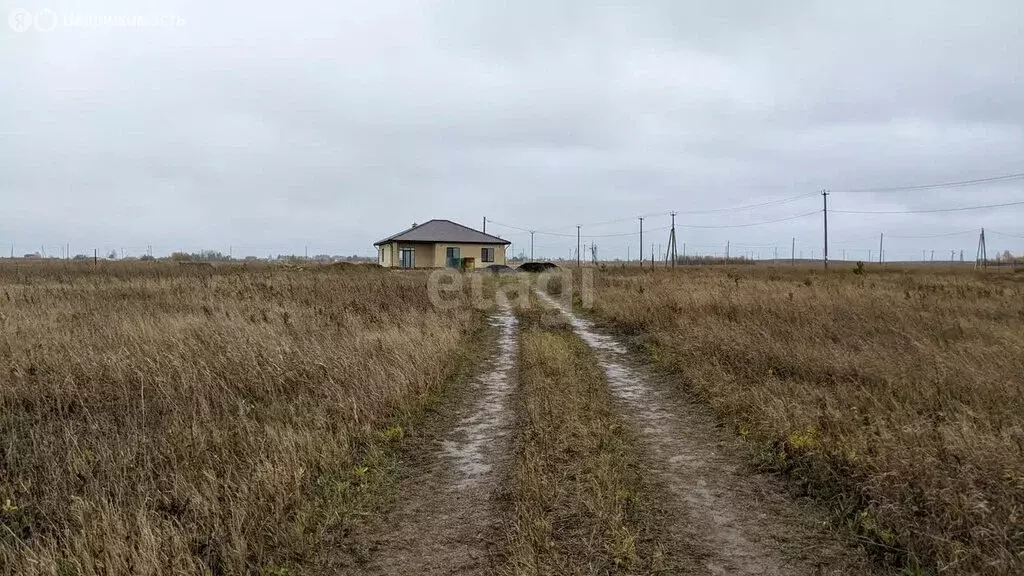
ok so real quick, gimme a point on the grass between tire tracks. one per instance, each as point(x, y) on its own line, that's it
point(578, 501)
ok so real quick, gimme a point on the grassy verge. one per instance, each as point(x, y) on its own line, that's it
point(578, 500)
point(895, 397)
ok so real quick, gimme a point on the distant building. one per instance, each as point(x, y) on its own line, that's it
point(441, 244)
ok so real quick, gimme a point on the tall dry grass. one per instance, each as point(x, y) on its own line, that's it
point(579, 502)
point(896, 396)
point(162, 420)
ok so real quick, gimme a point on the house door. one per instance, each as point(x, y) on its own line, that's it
point(406, 258)
point(453, 257)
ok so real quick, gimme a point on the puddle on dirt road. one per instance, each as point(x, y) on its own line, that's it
point(726, 514)
point(471, 445)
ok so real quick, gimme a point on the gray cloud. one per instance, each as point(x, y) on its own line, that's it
point(332, 124)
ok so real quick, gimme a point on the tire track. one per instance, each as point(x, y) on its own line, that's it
point(740, 522)
point(446, 521)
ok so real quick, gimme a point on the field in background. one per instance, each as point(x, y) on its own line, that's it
point(896, 396)
point(159, 419)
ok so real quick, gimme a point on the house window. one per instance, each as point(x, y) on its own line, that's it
point(487, 254)
point(406, 257)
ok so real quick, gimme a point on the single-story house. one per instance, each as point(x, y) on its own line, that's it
point(438, 244)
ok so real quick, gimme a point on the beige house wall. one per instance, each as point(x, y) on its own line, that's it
point(470, 251)
point(433, 255)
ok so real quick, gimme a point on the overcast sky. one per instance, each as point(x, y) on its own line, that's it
point(271, 126)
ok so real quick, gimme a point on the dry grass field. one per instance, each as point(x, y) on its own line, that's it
point(165, 419)
point(578, 497)
point(157, 419)
point(897, 396)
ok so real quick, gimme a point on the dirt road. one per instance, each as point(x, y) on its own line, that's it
point(715, 514)
point(738, 521)
point(446, 521)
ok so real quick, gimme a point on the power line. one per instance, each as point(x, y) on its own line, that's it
point(912, 237)
point(932, 210)
point(749, 206)
point(957, 184)
point(494, 222)
point(752, 223)
point(1005, 234)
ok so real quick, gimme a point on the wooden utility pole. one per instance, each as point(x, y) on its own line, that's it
point(727, 246)
point(95, 257)
point(641, 241)
point(531, 245)
point(881, 240)
point(824, 200)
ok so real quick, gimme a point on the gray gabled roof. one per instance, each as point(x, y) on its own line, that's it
point(443, 231)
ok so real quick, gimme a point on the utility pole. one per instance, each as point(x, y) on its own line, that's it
point(824, 199)
point(95, 257)
point(641, 241)
point(684, 251)
point(652, 255)
point(881, 240)
point(933, 255)
point(792, 253)
point(675, 255)
point(727, 245)
point(485, 225)
point(627, 254)
point(982, 256)
point(577, 246)
point(531, 245)
point(952, 255)
point(775, 259)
